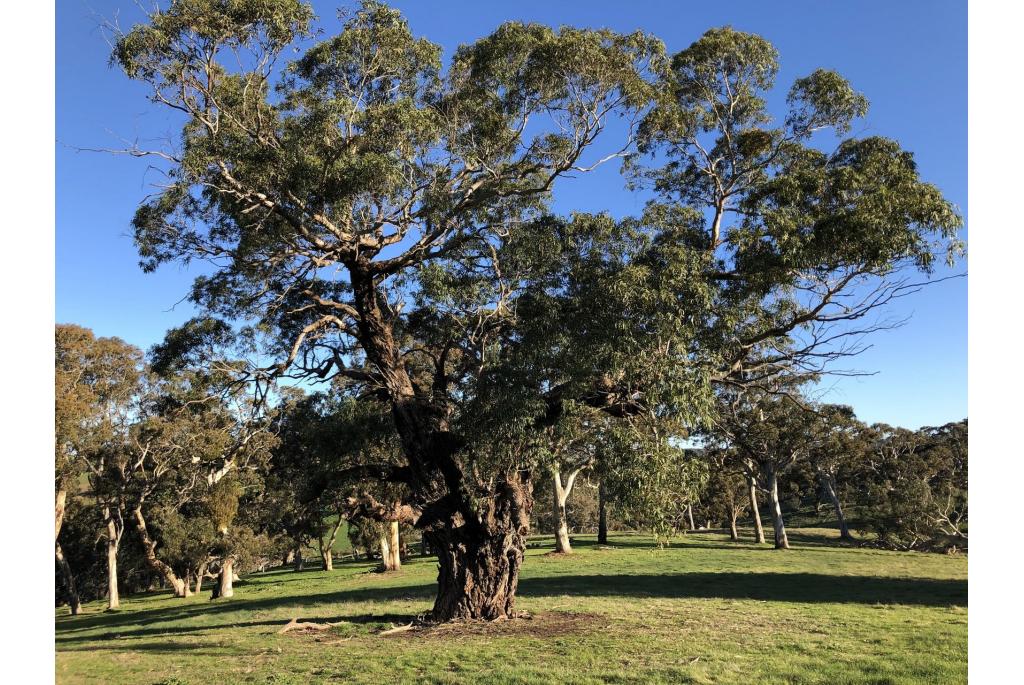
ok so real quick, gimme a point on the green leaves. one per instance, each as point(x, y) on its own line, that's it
point(190, 31)
point(823, 100)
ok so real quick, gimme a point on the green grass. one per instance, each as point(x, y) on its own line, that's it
point(704, 610)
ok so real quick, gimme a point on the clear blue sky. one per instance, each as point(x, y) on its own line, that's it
point(909, 58)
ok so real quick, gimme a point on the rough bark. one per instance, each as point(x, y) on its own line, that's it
point(781, 541)
point(829, 484)
point(755, 511)
point(478, 577)
point(478, 564)
point(602, 515)
point(178, 585)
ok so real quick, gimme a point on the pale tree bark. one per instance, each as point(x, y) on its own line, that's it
point(327, 545)
point(114, 532)
point(689, 517)
point(74, 604)
point(200, 575)
point(561, 496)
point(781, 541)
point(755, 511)
point(390, 548)
point(395, 546)
point(385, 551)
point(224, 587)
point(602, 515)
point(58, 512)
point(327, 558)
point(734, 534)
point(178, 585)
point(828, 483)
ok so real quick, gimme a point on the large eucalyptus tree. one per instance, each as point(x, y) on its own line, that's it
point(379, 220)
point(322, 188)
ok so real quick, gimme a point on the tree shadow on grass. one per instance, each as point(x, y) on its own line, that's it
point(779, 587)
point(126, 640)
point(130, 620)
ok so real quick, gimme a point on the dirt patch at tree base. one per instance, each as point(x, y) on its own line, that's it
point(543, 625)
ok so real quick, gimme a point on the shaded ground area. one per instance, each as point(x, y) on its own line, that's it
point(704, 610)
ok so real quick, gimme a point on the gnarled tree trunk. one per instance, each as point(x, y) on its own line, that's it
point(754, 510)
point(781, 541)
point(178, 585)
point(479, 540)
point(478, 564)
point(478, 577)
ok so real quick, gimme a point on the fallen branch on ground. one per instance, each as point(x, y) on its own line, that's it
point(295, 624)
point(399, 629)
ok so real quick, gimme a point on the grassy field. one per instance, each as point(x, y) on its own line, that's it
point(705, 610)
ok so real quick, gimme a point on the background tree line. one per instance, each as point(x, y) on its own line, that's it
point(205, 489)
